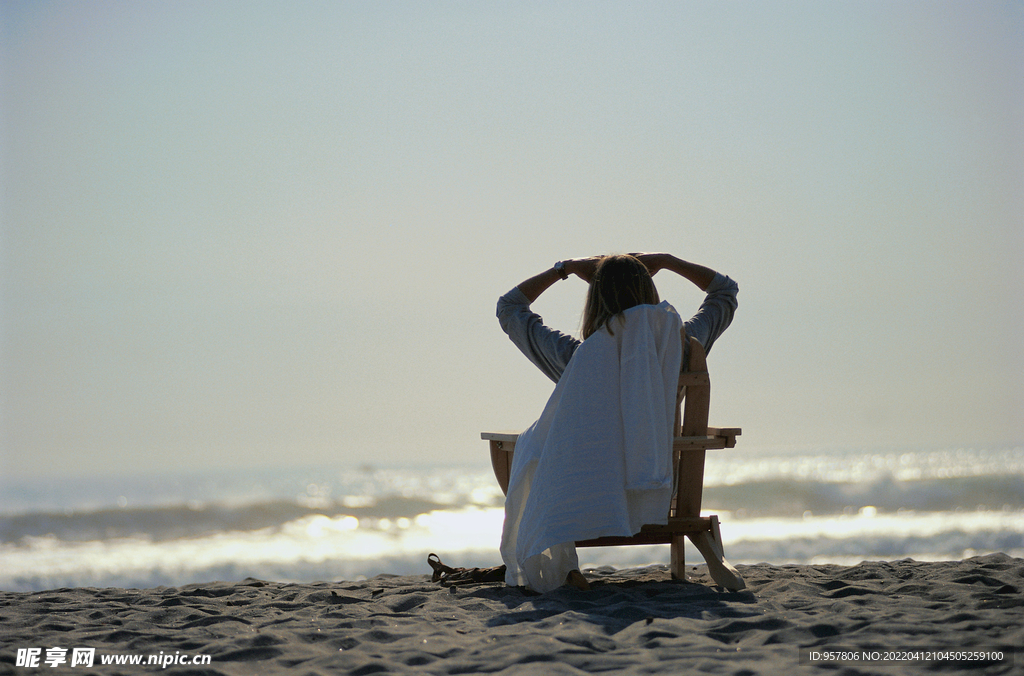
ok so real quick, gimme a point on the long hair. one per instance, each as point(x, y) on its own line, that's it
point(619, 283)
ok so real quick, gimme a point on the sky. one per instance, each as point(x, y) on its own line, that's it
point(274, 233)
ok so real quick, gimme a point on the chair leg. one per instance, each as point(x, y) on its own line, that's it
point(678, 561)
point(709, 544)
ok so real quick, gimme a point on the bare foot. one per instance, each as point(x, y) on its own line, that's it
point(576, 579)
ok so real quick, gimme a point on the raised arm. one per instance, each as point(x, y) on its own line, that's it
point(583, 268)
point(716, 312)
point(549, 349)
point(698, 274)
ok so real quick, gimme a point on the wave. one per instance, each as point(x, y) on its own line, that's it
point(317, 547)
point(321, 523)
point(314, 545)
point(190, 521)
point(788, 496)
point(781, 497)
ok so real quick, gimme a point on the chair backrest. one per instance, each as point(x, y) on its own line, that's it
point(694, 399)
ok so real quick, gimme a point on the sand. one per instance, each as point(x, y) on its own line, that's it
point(635, 621)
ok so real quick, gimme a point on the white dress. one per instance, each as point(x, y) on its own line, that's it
point(598, 461)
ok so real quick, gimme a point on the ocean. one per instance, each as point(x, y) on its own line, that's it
point(331, 523)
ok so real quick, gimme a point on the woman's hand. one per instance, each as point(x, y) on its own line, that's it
point(654, 261)
point(584, 268)
point(698, 274)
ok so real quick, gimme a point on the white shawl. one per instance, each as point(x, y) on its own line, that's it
point(598, 461)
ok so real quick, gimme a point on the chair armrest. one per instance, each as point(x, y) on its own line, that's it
point(500, 436)
point(728, 433)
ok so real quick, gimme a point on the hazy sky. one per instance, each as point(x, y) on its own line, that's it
point(275, 232)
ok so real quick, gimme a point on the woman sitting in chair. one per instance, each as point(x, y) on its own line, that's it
point(598, 461)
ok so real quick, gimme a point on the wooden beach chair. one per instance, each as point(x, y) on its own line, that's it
point(693, 438)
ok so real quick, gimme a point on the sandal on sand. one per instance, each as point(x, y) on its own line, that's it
point(448, 576)
point(440, 570)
